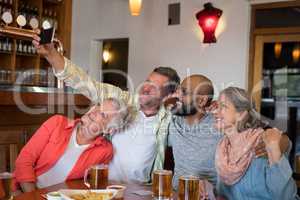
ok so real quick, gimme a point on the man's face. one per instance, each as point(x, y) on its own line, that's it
point(152, 90)
point(189, 97)
point(188, 106)
point(95, 121)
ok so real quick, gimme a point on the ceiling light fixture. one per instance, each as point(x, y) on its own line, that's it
point(135, 7)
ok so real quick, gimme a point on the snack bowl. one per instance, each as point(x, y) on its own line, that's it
point(53, 196)
point(120, 190)
point(69, 194)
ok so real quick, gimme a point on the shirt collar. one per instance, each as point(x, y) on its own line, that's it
point(72, 123)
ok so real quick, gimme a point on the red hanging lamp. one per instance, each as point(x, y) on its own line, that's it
point(208, 19)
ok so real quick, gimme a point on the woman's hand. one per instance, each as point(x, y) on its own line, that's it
point(203, 190)
point(272, 140)
point(206, 190)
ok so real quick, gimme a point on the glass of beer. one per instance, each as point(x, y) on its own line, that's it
point(189, 188)
point(98, 177)
point(6, 186)
point(162, 185)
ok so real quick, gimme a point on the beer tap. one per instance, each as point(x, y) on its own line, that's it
point(10, 31)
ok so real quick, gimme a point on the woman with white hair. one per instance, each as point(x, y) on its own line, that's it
point(241, 174)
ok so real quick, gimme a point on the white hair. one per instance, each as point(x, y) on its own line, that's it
point(242, 101)
point(123, 116)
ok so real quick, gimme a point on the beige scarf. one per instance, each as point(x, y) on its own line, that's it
point(235, 153)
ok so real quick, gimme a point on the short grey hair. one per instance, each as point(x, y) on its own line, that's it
point(122, 119)
point(242, 101)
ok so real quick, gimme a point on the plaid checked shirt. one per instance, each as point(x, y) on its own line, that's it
point(77, 78)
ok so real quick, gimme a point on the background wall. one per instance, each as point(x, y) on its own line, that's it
point(153, 43)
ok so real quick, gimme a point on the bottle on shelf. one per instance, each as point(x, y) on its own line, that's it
point(6, 45)
point(5, 76)
point(20, 47)
point(25, 47)
point(9, 46)
point(2, 76)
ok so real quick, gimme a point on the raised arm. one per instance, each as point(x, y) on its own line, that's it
point(77, 78)
point(55, 59)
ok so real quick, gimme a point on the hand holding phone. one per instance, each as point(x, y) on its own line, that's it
point(47, 33)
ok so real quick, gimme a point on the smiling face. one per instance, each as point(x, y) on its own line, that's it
point(96, 120)
point(152, 90)
point(194, 93)
point(227, 116)
point(188, 100)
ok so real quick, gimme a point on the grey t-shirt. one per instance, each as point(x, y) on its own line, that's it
point(194, 148)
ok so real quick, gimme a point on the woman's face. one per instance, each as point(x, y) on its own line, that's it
point(226, 116)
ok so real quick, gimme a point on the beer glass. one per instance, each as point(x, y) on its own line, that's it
point(98, 177)
point(189, 188)
point(6, 186)
point(162, 185)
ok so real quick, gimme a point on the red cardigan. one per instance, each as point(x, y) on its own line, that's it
point(48, 144)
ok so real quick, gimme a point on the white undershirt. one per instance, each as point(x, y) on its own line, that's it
point(134, 150)
point(59, 172)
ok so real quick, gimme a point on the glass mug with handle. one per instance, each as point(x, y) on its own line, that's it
point(6, 186)
point(162, 185)
point(189, 188)
point(98, 176)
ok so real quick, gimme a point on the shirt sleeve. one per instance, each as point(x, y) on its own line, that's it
point(279, 180)
point(25, 163)
point(76, 78)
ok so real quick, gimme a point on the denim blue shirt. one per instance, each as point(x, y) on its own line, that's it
point(263, 182)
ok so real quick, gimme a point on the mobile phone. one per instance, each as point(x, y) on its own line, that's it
point(47, 35)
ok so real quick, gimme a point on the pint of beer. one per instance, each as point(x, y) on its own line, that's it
point(162, 185)
point(98, 177)
point(6, 186)
point(189, 188)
